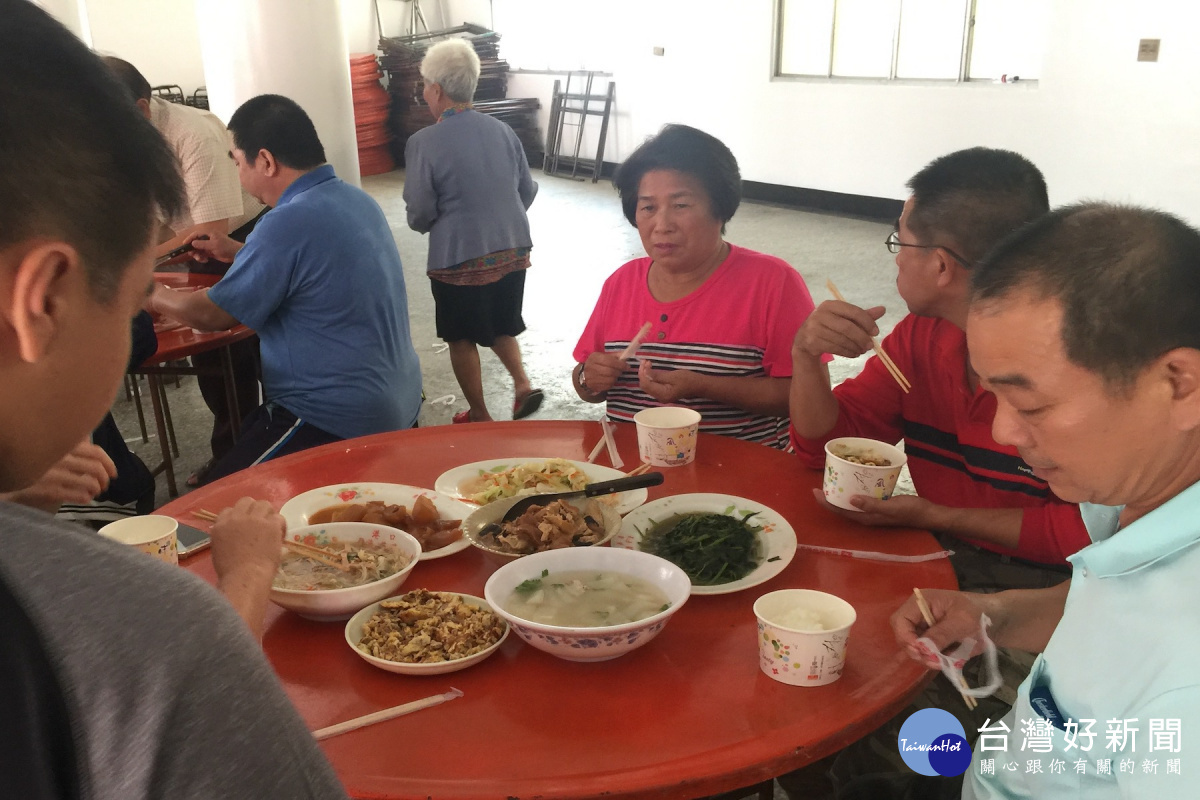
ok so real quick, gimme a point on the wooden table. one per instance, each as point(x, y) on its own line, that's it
point(177, 342)
point(689, 714)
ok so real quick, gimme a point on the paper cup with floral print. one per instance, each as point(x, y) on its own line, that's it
point(802, 636)
point(860, 466)
point(667, 435)
point(153, 534)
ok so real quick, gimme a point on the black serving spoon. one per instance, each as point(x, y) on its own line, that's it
point(591, 490)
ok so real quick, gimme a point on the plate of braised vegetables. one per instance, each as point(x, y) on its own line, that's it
point(724, 543)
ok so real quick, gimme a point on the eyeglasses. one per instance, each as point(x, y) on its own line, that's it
point(893, 244)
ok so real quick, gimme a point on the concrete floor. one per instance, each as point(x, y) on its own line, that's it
point(580, 236)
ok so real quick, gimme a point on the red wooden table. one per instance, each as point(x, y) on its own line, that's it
point(689, 714)
point(177, 342)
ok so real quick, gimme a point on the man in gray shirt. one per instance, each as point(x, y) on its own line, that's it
point(120, 677)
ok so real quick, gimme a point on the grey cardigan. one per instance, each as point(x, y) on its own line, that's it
point(467, 184)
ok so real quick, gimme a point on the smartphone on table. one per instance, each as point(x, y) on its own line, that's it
point(191, 540)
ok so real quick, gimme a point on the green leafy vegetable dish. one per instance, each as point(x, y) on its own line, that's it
point(711, 548)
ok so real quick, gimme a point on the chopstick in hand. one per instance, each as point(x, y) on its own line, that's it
point(318, 554)
point(637, 341)
point(386, 714)
point(879, 351)
point(927, 615)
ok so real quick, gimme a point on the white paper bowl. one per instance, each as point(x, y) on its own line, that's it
point(589, 644)
point(492, 512)
point(844, 479)
point(354, 629)
point(326, 605)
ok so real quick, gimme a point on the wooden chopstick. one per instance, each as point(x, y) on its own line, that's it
point(317, 554)
point(386, 714)
point(596, 450)
point(639, 470)
point(879, 351)
point(637, 341)
point(927, 615)
point(208, 516)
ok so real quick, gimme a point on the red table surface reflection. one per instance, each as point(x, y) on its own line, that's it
point(689, 714)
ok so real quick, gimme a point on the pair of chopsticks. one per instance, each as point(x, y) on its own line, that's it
point(642, 470)
point(607, 440)
point(386, 714)
point(927, 615)
point(879, 351)
point(315, 553)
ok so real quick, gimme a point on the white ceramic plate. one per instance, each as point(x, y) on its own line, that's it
point(778, 537)
point(448, 482)
point(354, 635)
point(297, 510)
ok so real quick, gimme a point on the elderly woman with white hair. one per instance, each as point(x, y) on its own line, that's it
point(467, 184)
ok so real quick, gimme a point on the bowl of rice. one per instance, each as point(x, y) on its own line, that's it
point(375, 560)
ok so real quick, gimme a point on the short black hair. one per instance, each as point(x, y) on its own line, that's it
point(692, 152)
point(1127, 279)
point(280, 126)
point(975, 197)
point(81, 164)
point(127, 74)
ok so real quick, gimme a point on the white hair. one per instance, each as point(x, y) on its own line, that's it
point(454, 66)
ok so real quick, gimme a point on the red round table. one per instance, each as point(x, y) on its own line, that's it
point(689, 714)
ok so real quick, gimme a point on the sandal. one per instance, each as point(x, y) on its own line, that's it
point(531, 402)
point(461, 417)
point(197, 477)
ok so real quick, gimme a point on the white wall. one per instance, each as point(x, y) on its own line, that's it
point(159, 37)
point(1099, 123)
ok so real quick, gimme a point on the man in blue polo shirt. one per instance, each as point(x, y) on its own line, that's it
point(320, 281)
point(1086, 326)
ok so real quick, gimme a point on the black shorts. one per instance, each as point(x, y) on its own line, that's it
point(270, 431)
point(479, 313)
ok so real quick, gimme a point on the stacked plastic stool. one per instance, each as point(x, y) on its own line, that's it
point(371, 106)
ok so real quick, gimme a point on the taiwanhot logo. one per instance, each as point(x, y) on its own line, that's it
point(933, 742)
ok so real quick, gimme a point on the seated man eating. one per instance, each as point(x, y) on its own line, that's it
point(962, 204)
point(1086, 325)
point(320, 280)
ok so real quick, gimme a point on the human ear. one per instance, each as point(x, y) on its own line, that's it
point(1181, 370)
point(269, 165)
point(37, 302)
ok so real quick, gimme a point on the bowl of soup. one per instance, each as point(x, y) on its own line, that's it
point(330, 571)
point(587, 603)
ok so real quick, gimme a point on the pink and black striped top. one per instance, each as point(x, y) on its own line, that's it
point(740, 323)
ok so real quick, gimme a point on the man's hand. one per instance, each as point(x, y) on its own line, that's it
point(213, 245)
point(602, 371)
point(900, 511)
point(668, 386)
point(955, 619)
point(246, 548)
point(839, 328)
point(78, 477)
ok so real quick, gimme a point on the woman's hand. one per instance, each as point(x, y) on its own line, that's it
point(601, 371)
point(667, 386)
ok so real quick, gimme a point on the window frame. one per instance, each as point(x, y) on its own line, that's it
point(964, 62)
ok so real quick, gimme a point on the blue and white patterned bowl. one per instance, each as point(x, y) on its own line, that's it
point(589, 644)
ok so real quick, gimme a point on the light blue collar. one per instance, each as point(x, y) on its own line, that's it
point(1166, 530)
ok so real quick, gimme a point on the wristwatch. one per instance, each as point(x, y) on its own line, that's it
point(582, 379)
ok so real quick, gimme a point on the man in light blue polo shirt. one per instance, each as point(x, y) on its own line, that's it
point(320, 281)
point(1086, 326)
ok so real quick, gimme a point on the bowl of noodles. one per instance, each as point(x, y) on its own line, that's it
point(330, 571)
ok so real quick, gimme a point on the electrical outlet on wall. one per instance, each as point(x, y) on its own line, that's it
point(1148, 49)
point(658, 51)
